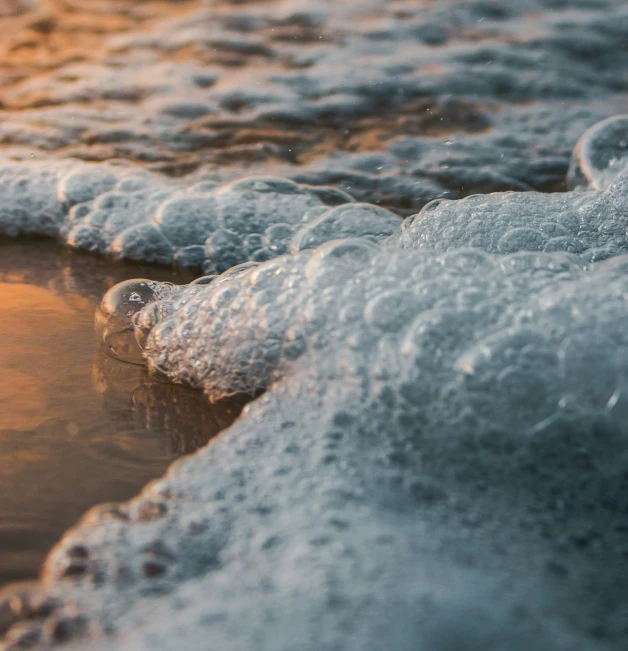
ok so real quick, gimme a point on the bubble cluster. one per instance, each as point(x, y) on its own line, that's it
point(589, 224)
point(457, 334)
point(123, 212)
point(421, 407)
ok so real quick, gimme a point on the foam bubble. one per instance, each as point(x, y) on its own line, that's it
point(114, 317)
point(601, 154)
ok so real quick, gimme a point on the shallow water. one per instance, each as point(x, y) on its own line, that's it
point(77, 428)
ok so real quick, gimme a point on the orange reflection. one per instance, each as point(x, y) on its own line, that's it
point(43, 321)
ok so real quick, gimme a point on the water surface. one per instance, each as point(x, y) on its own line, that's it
point(77, 428)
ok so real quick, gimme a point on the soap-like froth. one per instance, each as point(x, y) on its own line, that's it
point(126, 213)
point(458, 333)
point(590, 224)
point(444, 432)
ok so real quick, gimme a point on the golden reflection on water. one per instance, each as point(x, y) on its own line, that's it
point(34, 317)
point(77, 428)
